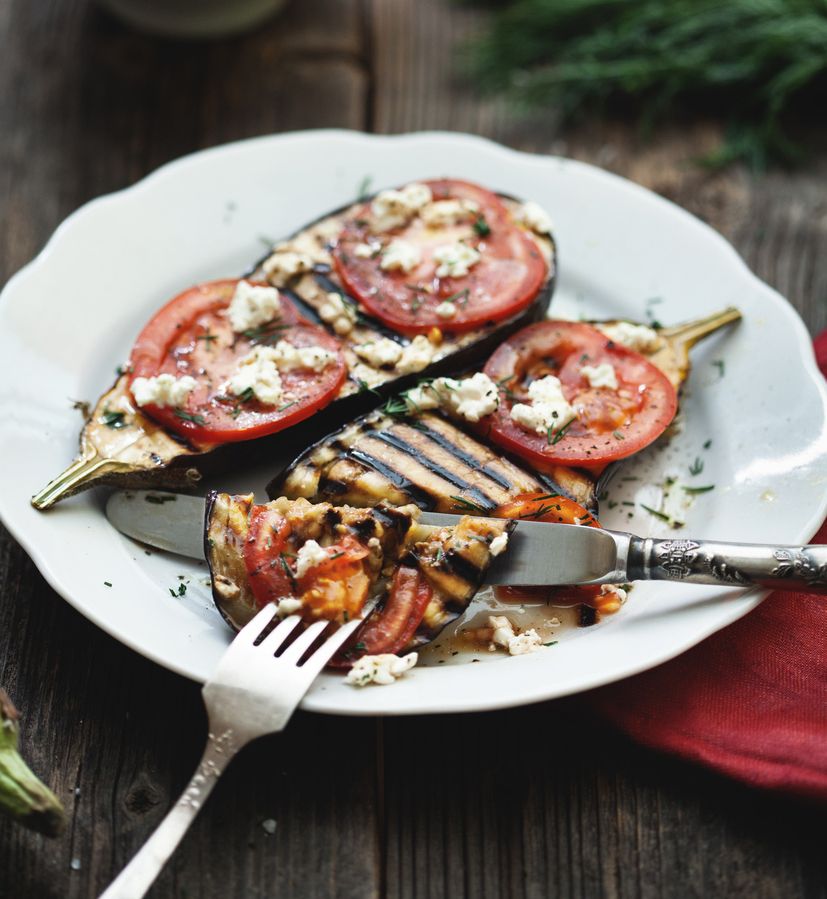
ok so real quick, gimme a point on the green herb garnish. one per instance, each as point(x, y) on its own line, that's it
point(697, 466)
point(363, 190)
point(555, 437)
point(396, 406)
point(466, 505)
point(656, 513)
point(207, 338)
point(364, 387)
point(720, 365)
point(190, 416)
point(113, 419)
point(698, 489)
point(481, 226)
point(182, 589)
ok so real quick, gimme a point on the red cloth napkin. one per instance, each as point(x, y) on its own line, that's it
point(751, 701)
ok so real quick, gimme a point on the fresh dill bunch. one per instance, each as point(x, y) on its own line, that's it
point(744, 60)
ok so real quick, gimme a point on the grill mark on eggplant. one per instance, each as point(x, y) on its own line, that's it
point(442, 441)
point(480, 498)
point(419, 496)
point(363, 318)
point(304, 307)
point(331, 487)
point(456, 564)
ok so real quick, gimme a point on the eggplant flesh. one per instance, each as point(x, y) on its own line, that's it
point(454, 560)
point(431, 461)
point(129, 450)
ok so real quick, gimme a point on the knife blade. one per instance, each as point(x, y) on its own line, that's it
point(537, 553)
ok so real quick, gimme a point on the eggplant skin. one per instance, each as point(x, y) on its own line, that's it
point(425, 459)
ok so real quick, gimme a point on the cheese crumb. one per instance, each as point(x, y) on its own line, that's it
point(422, 398)
point(602, 375)
point(365, 250)
point(309, 556)
point(516, 644)
point(252, 305)
point(533, 216)
point(288, 606)
point(442, 213)
point(471, 398)
point(399, 255)
point(288, 357)
point(416, 355)
point(639, 338)
point(163, 390)
point(498, 544)
point(393, 208)
point(619, 592)
point(286, 264)
point(341, 316)
point(383, 669)
point(446, 309)
point(258, 372)
point(548, 409)
point(455, 260)
point(379, 353)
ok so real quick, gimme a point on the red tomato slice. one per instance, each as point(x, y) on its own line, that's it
point(610, 424)
point(505, 280)
point(392, 628)
point(267, 567)
point(192, 336)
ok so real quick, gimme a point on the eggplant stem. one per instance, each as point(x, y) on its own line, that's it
point(689, 333)
point(79, 472)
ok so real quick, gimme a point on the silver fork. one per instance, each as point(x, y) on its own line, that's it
point(252, 693)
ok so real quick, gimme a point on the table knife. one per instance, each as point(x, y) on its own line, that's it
point(538, 553)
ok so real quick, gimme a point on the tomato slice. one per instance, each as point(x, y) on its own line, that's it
point(507, 278)
point(610, 424)
point(557, 509)
point(267, 567)
point(191, 335)
point(336, 589)
point(392, 628)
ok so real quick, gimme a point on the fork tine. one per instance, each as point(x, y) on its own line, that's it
point(303, 642)
point(282, 631)
point(252, 630)
point(326, 651)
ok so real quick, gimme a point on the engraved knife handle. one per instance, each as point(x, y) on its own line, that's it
point(797, 568)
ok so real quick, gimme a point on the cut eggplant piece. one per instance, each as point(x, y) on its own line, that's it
point(122, 447)
point(429, 460)
point(255, 555)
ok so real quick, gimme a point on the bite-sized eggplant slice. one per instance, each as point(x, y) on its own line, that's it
point(330, 562)
point(433, 462)
point(123, 446)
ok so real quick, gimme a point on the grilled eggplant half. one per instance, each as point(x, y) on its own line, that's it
point(121, 446)
point(336, 562)
point(426, 459)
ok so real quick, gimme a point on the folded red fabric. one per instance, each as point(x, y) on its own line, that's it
point(751, 701)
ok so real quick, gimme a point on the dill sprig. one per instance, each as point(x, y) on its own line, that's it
point(746, 60)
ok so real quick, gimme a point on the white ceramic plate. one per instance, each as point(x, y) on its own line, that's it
point(69, 318)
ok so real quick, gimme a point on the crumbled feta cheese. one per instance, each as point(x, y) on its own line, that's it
point(252, 305)
point(286, 264)
point(448, 212)
point(309, 556)
point(602, 375)
point(379, 353)
point(446, 309)
point(163, 390)
point(455, 260)
point(422, 398)
point(364, 250)
point(399, 255)
point(504, 635)
point(288, 606)
point(394, 208)
point(258, 372)
point(533, 216)
point(498, 544)
point(471, 398)
point(416, 355)
point(639, 338)
point(287, 357)
point(341, 316)
point(619, 592)
point(379, 669)
point(548, 409)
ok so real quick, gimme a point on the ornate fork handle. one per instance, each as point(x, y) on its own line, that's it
point(733, 564)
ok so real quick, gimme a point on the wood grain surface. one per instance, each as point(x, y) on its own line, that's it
point(531, 802)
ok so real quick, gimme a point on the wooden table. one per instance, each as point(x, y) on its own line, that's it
point(531, 802)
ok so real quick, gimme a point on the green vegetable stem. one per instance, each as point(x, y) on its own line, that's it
point(22, 795)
